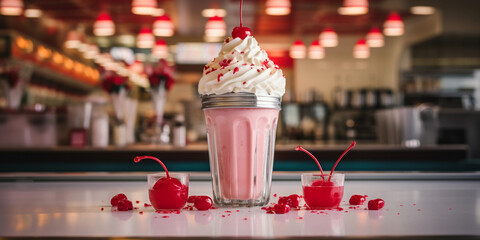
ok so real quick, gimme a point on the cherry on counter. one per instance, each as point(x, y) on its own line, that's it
point(357, 199)
point(124, 205)
point(115, 199)
point(203, 203)
point(292, 200)
point(281, 208)
point(376, 204)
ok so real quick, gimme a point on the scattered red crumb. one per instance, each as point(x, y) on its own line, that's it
point(448, 209)
point(419, 210)
point(238, 210)
point(275, 195)
point(245, 219)
point(102, 209)
point(227, 40)
point(140, 212)
point(300, 218)
point(244, 83)
point(233, 52)
point(213, 208)
point(339, 209)
point(401, 205)
point(165, 216)
point(235, 70)
point(206, 67)
point(242, 52)
point(225, 62)
point(223, 216)
point(244, 64)
point(135, 208)
point(137, 202)
point(398, 213)
point(168, 211)
point(228, 214)
point(228, 211)
point(346, 211)
point(258, 70)
point(414, 204)
point(147, 205)
point(252, 64)
point(219, 76)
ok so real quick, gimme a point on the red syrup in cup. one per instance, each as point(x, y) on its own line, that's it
point(168, 193)
point(323, 191)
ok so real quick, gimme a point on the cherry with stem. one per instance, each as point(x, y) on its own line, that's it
point(298, 148)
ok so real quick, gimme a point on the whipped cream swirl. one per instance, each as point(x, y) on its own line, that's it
point(242, 66)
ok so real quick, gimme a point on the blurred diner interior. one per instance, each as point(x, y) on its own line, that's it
point(87, 85)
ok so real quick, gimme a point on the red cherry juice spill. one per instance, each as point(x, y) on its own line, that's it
point(324, 194)
point(115, 199)
point(293, 200)
point(357, 199)
point(168, 192)
point(376, 204)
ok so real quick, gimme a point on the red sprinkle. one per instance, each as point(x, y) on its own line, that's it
point(275, 195)
point(258, 70)
point(448, 209)
point(140, 212)
point(223, 216)
point(225, 62)
point(235, 70)
point(265, 63)
point(137, 202)
point(227, 40)
point(206, 67)
point(242, 52)
point(300, 218)
point(233, 52)
point(244, 83)
point(218, 77)
point(238, 210)
point(102, 208)
point(245, 219)
point(165, 216)
point(147, 205)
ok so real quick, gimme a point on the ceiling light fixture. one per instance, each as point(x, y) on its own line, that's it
point(160, 50)
point(104, 25)
point(32, 13)
point(393, 26)
point(354, 7)
point(145, 38)
point(361, 49)
point(375, 38)
point(316, 51)
point(298, 50)
point(329, 38)
point(422, 10)
point(215, 27)
point(163, 26)
point(277, 7)
point(11, 7)
point(144, 7)
point(212, 12)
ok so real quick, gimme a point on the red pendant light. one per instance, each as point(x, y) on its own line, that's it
point(298, 50)
point(11, 7)
point(144, 7)
point(393, 26)
point(163, 26)
point(104, 25)
point(316, 51)
point(375, 38)
point(145, 38)
point(329, 38)
point(160, 50)
point(361, 49)
point(277, 7)
point(215, 27)
point(354, 7)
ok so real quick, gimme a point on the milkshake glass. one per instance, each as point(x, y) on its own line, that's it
point(241, 130)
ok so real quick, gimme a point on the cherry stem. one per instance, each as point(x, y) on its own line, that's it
point(241, 3)
point(298, 148)
point(139, 158)
point(341, 156)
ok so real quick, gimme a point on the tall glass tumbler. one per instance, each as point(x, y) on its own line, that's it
point(241, 130)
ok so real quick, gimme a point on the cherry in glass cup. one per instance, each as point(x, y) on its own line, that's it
point(323, 191)
point(168, 192)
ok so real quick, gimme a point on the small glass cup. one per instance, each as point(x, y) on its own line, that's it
point(322, 191)
point(170, 194)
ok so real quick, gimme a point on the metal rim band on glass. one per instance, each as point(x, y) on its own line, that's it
point(240, 100)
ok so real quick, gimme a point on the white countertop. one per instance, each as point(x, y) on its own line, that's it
point(73, 209)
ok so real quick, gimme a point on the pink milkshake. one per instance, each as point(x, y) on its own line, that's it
point(241, 92)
